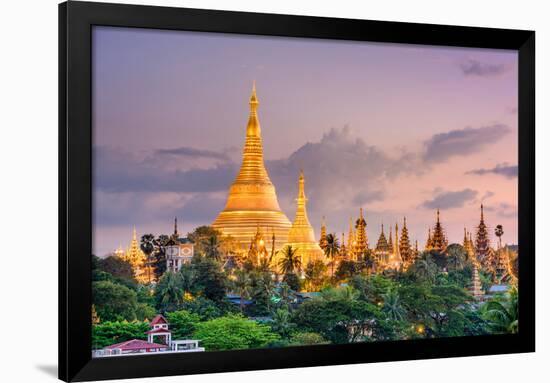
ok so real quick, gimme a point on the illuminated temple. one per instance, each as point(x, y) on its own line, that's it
point(252, 201)
point(301, 235)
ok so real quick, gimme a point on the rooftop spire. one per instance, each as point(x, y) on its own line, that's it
point(134, 234)
point(176, 227)
point(253, 129)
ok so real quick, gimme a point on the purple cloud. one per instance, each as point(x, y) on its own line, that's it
point(508, 171)
point(449, 200)
point(461, 142)
point(472, 67)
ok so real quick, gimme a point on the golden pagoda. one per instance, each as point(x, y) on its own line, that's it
point(383, 249)
point(395, 256)
point(301, 235)
point(252, 200)
point(137, 260)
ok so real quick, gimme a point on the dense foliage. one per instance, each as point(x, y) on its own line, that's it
point(248, 307)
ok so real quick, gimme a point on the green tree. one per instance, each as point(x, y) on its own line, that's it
point(372, 288)
point(117, 267)
point(503, 314)
point(243, 286)
point(282, 324)
point(113, 301)
point(392, 306)
point(107, 333)
point(145, 312)
point(204, 308)
point(200, 237)
point(148, 245)
point(314, 275)
point(211, 246)
point(292, 280)
point(346, 270)
point(263, 292)
point(169, 292)
point(209, 279)
point(332, 250)
point(159, 256)
point(307, 339)
point(233, 332)
point(456, 257)
point(290, 261)
point(340, 317)
point(182, 323)
point(424, 268)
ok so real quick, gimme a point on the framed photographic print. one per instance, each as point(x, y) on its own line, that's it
point(246, 191)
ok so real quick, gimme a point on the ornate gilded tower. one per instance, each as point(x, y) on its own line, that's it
point(439, 240)
point(252, 200)
point(361, 241)
point(301, 235)
point(383, 248)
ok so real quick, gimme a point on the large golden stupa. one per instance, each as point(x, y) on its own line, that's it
point(252, 201)
point(301, 235)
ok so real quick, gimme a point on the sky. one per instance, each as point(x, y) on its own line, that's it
point(399, 130)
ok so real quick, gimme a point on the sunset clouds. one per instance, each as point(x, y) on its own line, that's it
point(396, 129)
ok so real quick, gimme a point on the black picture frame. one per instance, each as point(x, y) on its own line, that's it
point(75, 188)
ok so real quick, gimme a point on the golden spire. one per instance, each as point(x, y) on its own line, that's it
point(134, 235)
point(253, 128)
point(252, 199)
point(301, 235)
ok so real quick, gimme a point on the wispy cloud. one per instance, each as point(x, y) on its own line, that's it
point(443, 146)
point(451, 199)
point(508, 171)
point(472, 67)
point(193, 152)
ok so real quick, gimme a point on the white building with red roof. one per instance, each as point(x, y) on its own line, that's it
point(159, 339)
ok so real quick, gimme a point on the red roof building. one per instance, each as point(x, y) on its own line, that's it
point(159, 329)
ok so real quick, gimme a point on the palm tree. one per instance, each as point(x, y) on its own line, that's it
point(392, 306)
point(212, 247)
point(287, 294)
point(170, 291)
point(282, 324)
point(503, 316)
point(332, 250)
point(147, 245)
point(243, 286)
point(290, 260)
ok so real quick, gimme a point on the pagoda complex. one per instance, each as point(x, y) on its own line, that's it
point(252, 200)
point(301, 235)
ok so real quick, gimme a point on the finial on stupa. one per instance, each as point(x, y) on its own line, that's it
point(134, 234)
point(482, 212)
point(253, 96)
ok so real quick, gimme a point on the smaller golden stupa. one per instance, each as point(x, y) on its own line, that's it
point(301, 235)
